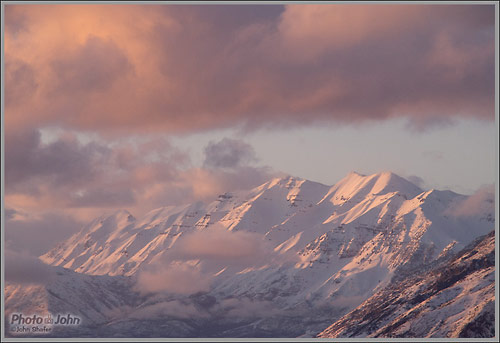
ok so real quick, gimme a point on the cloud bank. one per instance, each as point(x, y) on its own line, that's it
point(71, 174)
point(189, 68)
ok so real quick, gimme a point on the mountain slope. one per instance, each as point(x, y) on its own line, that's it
point(455, 298)
point(88, 297)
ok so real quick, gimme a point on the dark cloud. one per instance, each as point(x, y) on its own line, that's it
point(228, 153)
point(28, 161)
point(225, 18)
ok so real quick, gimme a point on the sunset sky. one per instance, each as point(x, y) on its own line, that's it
point(137, 107)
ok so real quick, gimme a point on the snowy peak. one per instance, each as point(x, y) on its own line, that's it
point(285, 181)
point(389, 182)
point(357, 186)
point(294, 185)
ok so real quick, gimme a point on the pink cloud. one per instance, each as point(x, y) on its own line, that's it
point(191, 264)
point(93, 67)
point(216, 244)
point(480, 203)
point(183, 69)
point(174, 278)
point(308, 32)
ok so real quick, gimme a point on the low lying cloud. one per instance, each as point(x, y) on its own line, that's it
point(217, 245)
point(480, 203)
point(26, 269)
point(191, 264)
point(173, 278)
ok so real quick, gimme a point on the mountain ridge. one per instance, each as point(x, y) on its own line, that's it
point(322, 250)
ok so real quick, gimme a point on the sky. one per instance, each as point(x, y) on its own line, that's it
point(142, 106)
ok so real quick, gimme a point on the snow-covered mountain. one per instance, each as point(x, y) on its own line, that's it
point(316, 253)
point(453, 298)
point(88, 297)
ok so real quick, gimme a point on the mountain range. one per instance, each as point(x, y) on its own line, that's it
point(371, 256)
